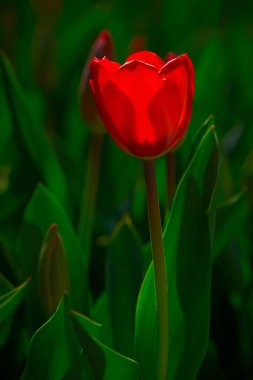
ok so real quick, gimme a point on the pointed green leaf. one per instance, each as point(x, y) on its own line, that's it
point(10, 299)
point(231, 215)
point(28, 127)
point(124, 276)
point(5, 285)
point(146, 344)
point(54, 351)
point(101, 313)
point(42, 211)
point(6, 120)
point(106, 363)
point(73, 37)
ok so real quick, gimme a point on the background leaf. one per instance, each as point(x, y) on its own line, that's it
point(55, 345)
point(10, 299)
point(124, 276)
point(28, 128)
point(42, 211)
point(107, 364)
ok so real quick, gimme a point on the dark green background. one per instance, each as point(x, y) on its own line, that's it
point(47, 51)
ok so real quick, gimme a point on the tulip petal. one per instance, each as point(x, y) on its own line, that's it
point(100, 72)
point(181, 72)
point(104, 63)
point(147, 57)
point(140, 82)
point(114, 106)
point(121, 120)
point(100, 76)
point(110, 66)
point(179, 69)
point(165, 112)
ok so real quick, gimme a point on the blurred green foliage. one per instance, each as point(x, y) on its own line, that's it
point(44, 147)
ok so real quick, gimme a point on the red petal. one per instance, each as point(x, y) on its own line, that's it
point(127, 130)
point(180, 71)
point(164, 112)
point(120, 122)
point(140, 83)
point(147, 57)
point(100, 71)
point(113, 105)
point(109, 66)
point(138, 80)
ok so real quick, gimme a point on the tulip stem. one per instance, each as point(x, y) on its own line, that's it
point(161, 285)
point(171, 177)
point(88, 200)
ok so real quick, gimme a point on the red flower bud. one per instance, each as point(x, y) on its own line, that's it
point(103, 46)
point(146, 103)
point(170, 56)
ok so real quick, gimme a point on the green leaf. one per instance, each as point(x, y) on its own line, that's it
point(42, 211)
point(188, 264)
point(124, 276)
point(101, 313)
point(93, 328)
point(54, 351)
point(205, 101)
point(5, 285)
point(6, 120)
point(73, 37)
point(106, 363)
point(9, 302)
point(193, 280)
point(231, 215)
point(28, 128)
point(146, 344)
point(114, 196)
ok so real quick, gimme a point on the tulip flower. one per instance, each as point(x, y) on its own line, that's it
point(146, 103)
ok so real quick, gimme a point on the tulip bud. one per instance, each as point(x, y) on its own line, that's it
point(53, 275)
point(103, 46)
point(170, 56)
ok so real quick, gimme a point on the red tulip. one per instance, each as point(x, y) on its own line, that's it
point(146, 103)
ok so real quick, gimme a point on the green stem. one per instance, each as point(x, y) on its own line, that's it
point(159, 269)
point(171, 177)
point(88, 201)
